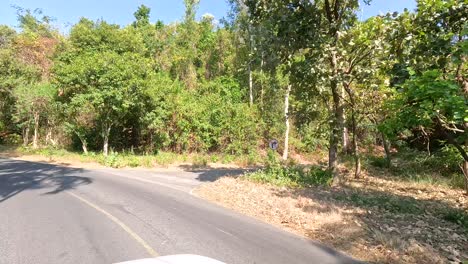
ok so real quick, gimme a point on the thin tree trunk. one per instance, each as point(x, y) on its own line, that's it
point(49, 134)
point(262, 92)
point(84, 144)
point(106, 145)
point(286, 120)
point(106, 133)
point(465, 174)
point(357, 157)
point(387, 149)
point(465, 161)
point(250, 67)
point(344, 129)
point(250, 86)
point(345, 137)
point(85, 147)
point(36, 129)
point(26, 135)
point(335, 129)
point(151, 143)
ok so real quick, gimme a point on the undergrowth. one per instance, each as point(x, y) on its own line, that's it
point(128, 159)
point(438, 168)
point(279, 174)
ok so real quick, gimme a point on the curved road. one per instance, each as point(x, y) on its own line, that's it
point(54, 214)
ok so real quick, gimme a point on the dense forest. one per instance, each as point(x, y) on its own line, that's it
point(311, 74)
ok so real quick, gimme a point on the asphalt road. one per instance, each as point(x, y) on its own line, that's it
point(53, 214)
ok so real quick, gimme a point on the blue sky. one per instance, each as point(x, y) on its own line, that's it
point(67, 12)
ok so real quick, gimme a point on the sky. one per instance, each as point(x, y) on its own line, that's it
point(68, 12)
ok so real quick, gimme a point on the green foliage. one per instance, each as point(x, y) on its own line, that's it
point(11, 139)
point(142, 16)
point(439, 168)
point(379, 162)
point(430, 100)
point(291, 176)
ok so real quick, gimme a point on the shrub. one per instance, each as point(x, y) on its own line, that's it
point(291, 176)
point(132, 161)
point(165, 158)
point(11, 139)
point(379, 162)
point(200, 161)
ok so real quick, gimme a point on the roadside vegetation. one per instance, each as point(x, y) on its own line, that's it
point(370, 116)
point(127, 159)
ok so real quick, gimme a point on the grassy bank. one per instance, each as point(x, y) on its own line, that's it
point(127, 159)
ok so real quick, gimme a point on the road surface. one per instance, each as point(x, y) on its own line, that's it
point(55, 214)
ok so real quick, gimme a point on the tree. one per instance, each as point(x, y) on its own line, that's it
point(32, 102)
point(435, 105)
point(430, 73)
point(80, 118)
point(110, 82)
point(315, 27)
point(142, 16)
point(362, 57)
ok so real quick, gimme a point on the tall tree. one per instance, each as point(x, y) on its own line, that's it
point(316, 27)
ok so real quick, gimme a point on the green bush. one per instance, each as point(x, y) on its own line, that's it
point(165, 158)
point(200, 161)
point(11, 139)
point(112, 160)
point(291, 176)
point(379, 162)
point(133, 161)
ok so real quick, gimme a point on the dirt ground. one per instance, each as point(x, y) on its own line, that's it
point(375, 219)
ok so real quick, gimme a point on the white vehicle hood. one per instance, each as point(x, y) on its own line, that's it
point(175, 259)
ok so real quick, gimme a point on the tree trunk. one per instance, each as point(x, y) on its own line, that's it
point(36, 129)
point(345, 136)
point(262, 92)
point(26, 135)
point(106, 133)
point(84, 144)
point(357, 157)
point(336, 115)
point(250, 86)
point(465, 174)
point(250, 67)
point(344, 129)
point(387, 149)
point(85, 147)
point(49, 134)
point(286, 120)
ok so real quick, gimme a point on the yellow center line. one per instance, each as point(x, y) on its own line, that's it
point(127, 229)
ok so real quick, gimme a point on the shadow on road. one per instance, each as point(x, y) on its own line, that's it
point(17, 176)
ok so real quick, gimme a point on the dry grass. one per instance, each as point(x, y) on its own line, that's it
point(375, 220)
